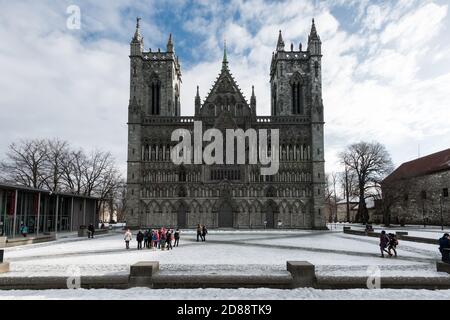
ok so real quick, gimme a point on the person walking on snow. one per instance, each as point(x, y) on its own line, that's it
point(384, 242)
point(169, 240)
point(139, 239)
point(146, 239)
point(177, 238)
point(199, 232)
point(127, 238)
point(393, 243)
point(444, 247)
point(204, 232)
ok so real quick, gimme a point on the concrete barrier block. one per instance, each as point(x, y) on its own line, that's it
point(303, 273)
point(141, 273)
point(3, 241)
point(442, 267)
point(401, 233)
point(347, 228)
point(4, 267)
point(144, 268)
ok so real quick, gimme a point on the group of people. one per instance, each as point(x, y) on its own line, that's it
point(164, 238)
point(201, 232)
point(388, 243)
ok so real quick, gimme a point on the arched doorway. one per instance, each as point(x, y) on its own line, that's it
point(226, 216)
point(181, 216)
point(270, 219)
point(271, 212)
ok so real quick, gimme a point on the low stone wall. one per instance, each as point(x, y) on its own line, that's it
point(298, 274)
point(13, 242)
point(401, 235)
point(431, 283)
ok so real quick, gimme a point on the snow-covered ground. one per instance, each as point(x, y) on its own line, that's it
point(228, 294)
point(333, 253)
point(231, 252)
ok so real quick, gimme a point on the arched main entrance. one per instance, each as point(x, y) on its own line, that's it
point(226, 216)
point(181, 216)
point(271, 213)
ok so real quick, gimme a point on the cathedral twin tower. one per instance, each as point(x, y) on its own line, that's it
point(161, 193)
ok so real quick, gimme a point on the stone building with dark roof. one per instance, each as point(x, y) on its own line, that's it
point(417, 191)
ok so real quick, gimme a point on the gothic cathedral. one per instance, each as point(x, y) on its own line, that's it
point(160, 193)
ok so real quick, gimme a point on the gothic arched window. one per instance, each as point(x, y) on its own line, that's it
point(155, 95)
point(316, 69)
point(297, 88)
point(274, 100)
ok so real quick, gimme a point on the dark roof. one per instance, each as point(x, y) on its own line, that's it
point(10, 186)
point(436, 162)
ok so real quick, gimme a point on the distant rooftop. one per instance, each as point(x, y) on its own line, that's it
point(436, 162)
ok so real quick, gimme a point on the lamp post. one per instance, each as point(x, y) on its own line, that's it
point(442, 217)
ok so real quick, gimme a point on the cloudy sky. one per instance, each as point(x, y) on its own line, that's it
point(386, 66)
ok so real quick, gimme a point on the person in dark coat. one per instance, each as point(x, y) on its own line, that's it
point(444, 243)
point(91, 231)
point(146, 239)
point(384, 242)
point(177, 238)
point(204, 232)
point(169, 240)
point(393, 243)
point(139, 239)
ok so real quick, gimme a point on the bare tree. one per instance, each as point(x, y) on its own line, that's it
point(121, 202)
point(99, 164)
point(73, 171)
point(56, 159)
point(370, 162)
point(25, 163)
point(331, 195)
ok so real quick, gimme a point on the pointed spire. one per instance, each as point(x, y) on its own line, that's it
point(137, 34)
point(280, 43)
point(198, 92)
point(314, 43)
point(313, 35)
point(170, 44)
point(253, 101)
point(225, 59)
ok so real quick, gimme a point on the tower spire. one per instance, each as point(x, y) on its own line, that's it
point(313, 35)
point(314, 43)
point(137, 34)
point(170, 44)
point(225, 59)
point(280, 43)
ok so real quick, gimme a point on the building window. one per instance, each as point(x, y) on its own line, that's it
point(445, 192)
point(316, 69)
point(297, 94)
point(155, 93)
point(423, 195)
point(405, 197)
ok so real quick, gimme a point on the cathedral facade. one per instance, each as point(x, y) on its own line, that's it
point(161, 193)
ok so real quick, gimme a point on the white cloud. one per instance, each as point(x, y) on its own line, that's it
point(63, 83)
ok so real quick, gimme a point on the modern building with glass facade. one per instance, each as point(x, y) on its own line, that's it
point(43, 211)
